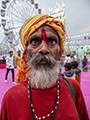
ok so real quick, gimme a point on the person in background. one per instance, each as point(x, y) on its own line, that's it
point(84, 64)
point(10, 66)
point(68, 72)
point(42, 93)
point(3, 58)
point(78, 60)
point(17, 60)
point(72, 57)
point(67, 59)
point(74, 65)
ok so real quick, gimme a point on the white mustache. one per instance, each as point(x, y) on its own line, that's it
point(43, 57)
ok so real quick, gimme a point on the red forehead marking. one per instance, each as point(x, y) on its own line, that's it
point(43, 34)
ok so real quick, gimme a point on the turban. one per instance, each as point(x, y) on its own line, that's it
point(30, 25)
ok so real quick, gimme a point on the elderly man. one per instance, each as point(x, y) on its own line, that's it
point(42, 94)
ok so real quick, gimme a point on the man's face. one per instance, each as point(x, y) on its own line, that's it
point(11, 53)
point(43, 52)
point(19, 53)
point(44, 40)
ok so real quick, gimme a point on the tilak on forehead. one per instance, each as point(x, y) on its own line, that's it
point(43, 34)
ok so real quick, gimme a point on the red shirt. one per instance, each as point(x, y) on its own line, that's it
point(15, 104)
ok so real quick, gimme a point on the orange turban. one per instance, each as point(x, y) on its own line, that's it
point(28, 28)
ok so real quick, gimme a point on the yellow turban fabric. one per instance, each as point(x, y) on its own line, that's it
point(28, 28)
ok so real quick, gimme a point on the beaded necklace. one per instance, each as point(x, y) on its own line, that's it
point(32, 110)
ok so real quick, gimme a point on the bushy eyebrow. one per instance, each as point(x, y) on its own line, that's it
point(38, 36)
point(53, 37)
point(34, 36)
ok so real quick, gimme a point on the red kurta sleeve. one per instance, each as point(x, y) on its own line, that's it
point(80, 103)
point(3, 111)
point(15, 99)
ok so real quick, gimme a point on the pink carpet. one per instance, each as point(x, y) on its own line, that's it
point(85, 86)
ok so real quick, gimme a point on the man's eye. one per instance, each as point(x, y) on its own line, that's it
point(52, 42)
point(34, 42)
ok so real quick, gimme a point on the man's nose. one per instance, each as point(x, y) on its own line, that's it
point(43, 48)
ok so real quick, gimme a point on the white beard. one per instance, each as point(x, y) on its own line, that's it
point(43, 78)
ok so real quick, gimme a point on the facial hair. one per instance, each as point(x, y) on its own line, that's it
point(43, 75)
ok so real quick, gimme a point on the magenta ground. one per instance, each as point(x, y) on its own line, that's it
point(85, 86)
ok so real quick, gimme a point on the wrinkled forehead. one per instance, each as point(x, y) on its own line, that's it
point(46, 30)
point(47, 27)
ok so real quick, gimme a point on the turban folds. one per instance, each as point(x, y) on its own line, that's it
point(28, 28)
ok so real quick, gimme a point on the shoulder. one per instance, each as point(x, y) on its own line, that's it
point(77, 71)
point(74, 82)
point(7, 57)
point(15, 90)
point(13, 56)
point(76, 86)
point(79, 94)
point(16, 56)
